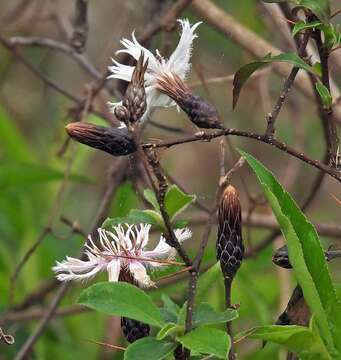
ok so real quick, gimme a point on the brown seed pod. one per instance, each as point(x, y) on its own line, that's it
point(114, 141)
point(199, 111)
point(230, 248)
point(134, 100)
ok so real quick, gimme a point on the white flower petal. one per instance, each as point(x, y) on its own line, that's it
point(113, 269)
point(121, 71)
point(183, 234)
point(142, 235)
point(75, 269)
point(179, 61)
point(163, 250)
point(140, 274)
point(134, 48)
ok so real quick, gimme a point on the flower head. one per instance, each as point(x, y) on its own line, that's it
point(178, 63)
point(122, 254)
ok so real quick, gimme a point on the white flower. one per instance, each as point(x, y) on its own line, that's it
point(178, 63)
point(121, 250)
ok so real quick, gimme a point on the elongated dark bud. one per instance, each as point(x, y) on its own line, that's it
point(199, 111)
point(114, 141)
point(132, 329)
point(281, 257)
point(134, 103)
point(230, 248)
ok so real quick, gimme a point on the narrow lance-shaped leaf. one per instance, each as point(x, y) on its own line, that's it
point(122, 299)
point(306, 255)
point(298, 339)
point(301, 25)
point(244, 73)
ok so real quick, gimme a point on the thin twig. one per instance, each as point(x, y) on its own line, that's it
point(205, 136)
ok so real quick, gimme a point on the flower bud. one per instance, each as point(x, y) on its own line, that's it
point(230, 248)
point(134, 100)
point(199, 111)
point(133, 329)
point(114, 141)
point(281, 258)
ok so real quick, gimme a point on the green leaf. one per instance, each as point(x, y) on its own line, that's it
point(207, 280)
point(320, 8)
point(182, 314)
point(170, 329)
point(205, 315)
point(180, 224)
point(149, 348)
point(122, 299)
point(137, 216)
point(306, 255)
point(332, 36)
point(125, 199)
point(170, 310)
point(301, 25)
point(298, 339)
point(205, 340)
point(243, 74)
point(324, 93)
point(176, 201)
point(151, 198)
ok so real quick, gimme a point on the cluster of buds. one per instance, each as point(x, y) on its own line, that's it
point(200, 112)
point(113, 140)
point(230, 248)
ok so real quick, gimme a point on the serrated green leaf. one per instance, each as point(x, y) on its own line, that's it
point(177, 201)
point(324, 93)
point(301, 25)
point(122, 299)
point(244, 73)
point(169, 330)
point(204, 340)
point(151, 198)
point(149, 348)
point(205, 315)
point(306, 255)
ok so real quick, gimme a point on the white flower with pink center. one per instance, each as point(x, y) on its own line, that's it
point(120, 250)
